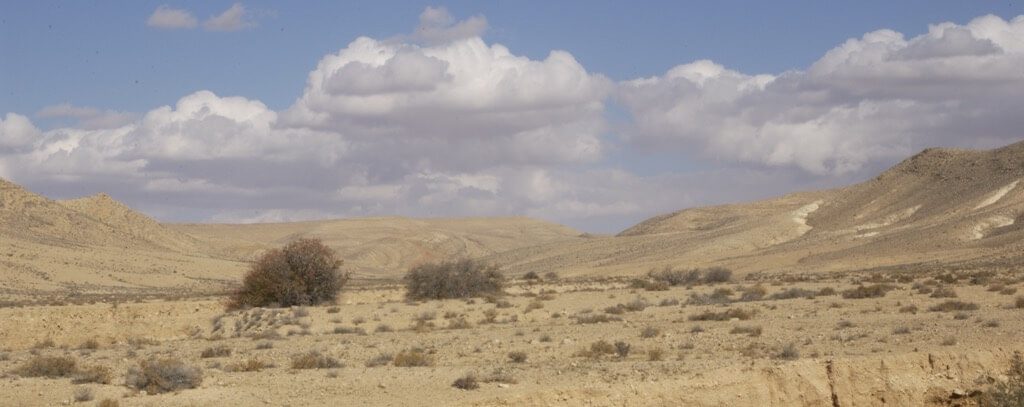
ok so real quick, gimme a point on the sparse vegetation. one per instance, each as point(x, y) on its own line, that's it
point(163, 375)
point(517, 356)
point(304, 272)
point(870, 291)
point(48, 366)
point(382, 359)
point(676, 277)
point(467, 382)
point(739, 314)
point(458, 279)
point(789, 352)
point(314, 360)
point(83, 394)
point(953, 305)
point(248, 365)
point(412, 358)
point(649, 332)
point(218, 351)
point(752, 331)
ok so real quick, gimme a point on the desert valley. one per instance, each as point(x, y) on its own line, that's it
point(906, 289)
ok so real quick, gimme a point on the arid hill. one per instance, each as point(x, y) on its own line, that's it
point(387, 247)
point(940, 206)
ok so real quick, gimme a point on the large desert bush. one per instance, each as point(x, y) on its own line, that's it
point(456, 279)
point(304, 272)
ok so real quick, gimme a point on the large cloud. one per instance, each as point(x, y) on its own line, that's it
point(865, 102)
point(442, 123)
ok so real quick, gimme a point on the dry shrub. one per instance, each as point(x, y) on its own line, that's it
point(304, 272)
point(48, 366)
point(598, 349)
point(90, 344)
point(753, 293)
point(674, 277)
point(953, 305)
point(382, 359)
point(458, 279)
point(467, 382)
point(792, 293)
point(215, 352)
point(595, 318)
point(249, 365)
point(83, 394)
point(789, 352)
point(870, 291)
point(655, 355)
point(622, 349)
point(726, 315)
point(943, 292)
point(517, 356)
point(649, 332)
point(108, 403)
point(1019, 303)
point(753, 331)
point(163, 375)
point(413, 358)
point(93, 374)
point(908, 309)
point(314, 360)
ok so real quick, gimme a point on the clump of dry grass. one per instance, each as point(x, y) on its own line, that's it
point(83, 394)
point(108, 403)
point(1019, 303)
point(93, 374)
point(943, 292)
point(249, 365)
point(753, 331)
point(412, 358)
point(218, 351)
point(649, 332)
point(655, 355)
point(517, 356)
point(870, 291)
point(789, 352)
point(382, 359)
point(740, 314)
point(675, 277)
point(792, 293)
point(953, 305)
point(163, 375)
point(314, 360)
point(597, 349)
point(595, 318)
point(48, 366)
point(466, 382)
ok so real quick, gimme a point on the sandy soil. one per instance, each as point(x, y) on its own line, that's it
point(872, 351)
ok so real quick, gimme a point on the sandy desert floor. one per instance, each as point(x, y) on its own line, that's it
point(757, 340)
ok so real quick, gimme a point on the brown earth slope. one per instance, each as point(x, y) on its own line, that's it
point(942, 205)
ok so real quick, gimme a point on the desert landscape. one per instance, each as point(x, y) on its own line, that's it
point(533, 203)
point(902, 290)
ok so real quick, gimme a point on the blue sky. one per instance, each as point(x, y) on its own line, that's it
point(102, 53)
point(653, 106)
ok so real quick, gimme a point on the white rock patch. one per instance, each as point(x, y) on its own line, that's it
point(800, 216)
point(995, 222)
point(889, 219)
point(996, 196)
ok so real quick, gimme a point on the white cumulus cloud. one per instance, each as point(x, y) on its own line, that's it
point(165, 17)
